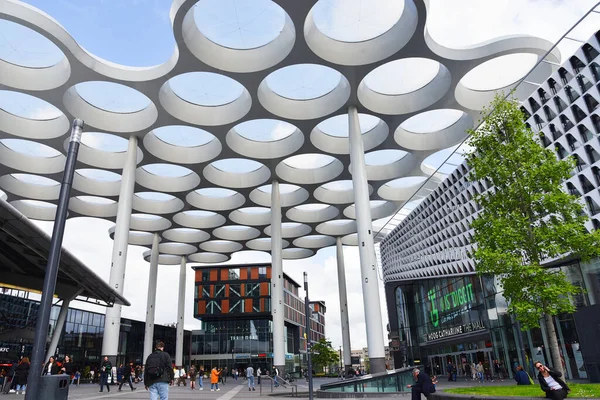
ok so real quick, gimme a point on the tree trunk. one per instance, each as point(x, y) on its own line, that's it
point(554, 351)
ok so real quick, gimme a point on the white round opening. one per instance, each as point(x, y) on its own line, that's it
point(182, 144)
point(309, 168)
point(205, 98)
point(304, 91)
point(236, 173)
point(215, 199)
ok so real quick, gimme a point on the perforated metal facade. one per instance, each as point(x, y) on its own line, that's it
point(435, 239)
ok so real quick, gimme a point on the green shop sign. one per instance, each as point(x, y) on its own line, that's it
point(455, 299)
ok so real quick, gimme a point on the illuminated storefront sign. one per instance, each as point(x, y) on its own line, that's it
point(448, 302)
point(456, 330)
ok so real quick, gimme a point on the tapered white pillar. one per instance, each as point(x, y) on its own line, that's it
point(112, 322)
point(366, 246)
point(277, 307)
point(60, 324)
point(151, 302)
point(343, 305)
point(180, 314)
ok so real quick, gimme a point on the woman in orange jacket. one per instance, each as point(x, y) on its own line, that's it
point(214, 380)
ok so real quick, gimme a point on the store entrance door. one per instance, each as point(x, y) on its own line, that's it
point(438, 363)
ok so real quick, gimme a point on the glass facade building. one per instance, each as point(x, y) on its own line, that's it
point(82, 333)
point(440, 310)
point(234, 304)
point(464, 319)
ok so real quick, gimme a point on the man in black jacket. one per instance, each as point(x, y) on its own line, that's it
point(551, 382)
point(105, 370)
point(422, 385)
point(158, 373)
point(127, 373)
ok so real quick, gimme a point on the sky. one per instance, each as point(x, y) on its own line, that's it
point(138, 33)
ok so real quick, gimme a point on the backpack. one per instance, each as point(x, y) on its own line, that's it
point(154, 366)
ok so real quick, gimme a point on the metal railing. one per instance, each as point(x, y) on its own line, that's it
point(393, 381)
point(280, 382)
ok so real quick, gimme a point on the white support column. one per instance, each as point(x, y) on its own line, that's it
point(343, 305)
point(180, 314)
point(112, 323)
point(277, 307)
point(60, 324)
point(151, 304)
point(366, 246)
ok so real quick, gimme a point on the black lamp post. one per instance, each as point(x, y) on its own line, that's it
point(43, 317)
point(308, 343)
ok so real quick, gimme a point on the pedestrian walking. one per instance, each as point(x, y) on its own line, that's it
point(105, 369)
point(221, 377)
point(21, 375)
point(158, 374)
point(214, 380)
point(250, 375)
point(193, 374)
point(480, 371)
point(200, 376)
point(127, 377)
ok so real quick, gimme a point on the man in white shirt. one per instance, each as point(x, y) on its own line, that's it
point(250, 376)
point(275, 376)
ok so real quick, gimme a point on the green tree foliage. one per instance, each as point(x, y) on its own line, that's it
point(323, 354)
point(526, 218)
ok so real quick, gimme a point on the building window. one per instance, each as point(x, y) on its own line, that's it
point(205, 275)
point(252, 289)
point(235, 291)
point(589, 52)
point(234, 274)
point(219, 291)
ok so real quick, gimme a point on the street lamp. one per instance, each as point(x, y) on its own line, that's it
point(308, 344)
point(43, 317)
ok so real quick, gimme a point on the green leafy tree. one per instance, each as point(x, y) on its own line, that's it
point(526, 218)
point(323, 354)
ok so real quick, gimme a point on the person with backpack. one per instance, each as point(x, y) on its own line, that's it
point(158, 374)
point(193, 373)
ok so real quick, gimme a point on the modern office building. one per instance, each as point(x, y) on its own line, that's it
point(82, 333)
point(439, 309)
point(234, 304)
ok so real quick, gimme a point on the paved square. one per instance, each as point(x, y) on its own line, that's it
point(230, 391)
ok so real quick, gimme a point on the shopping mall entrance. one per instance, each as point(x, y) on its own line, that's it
point(439, 362)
